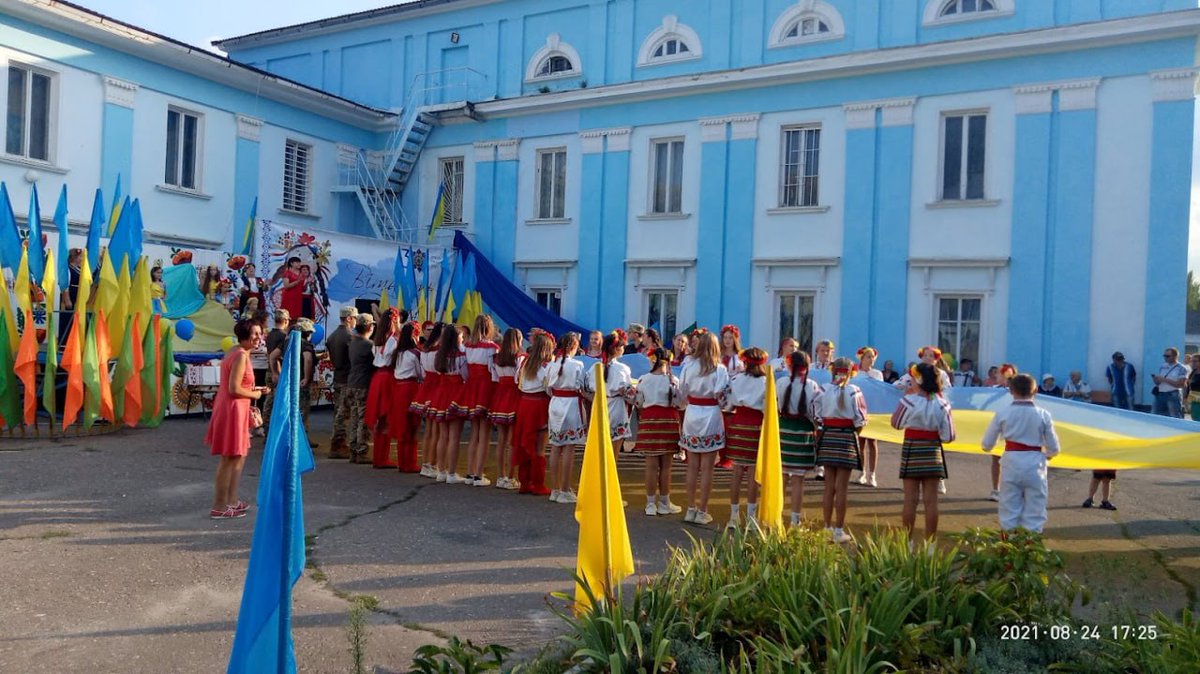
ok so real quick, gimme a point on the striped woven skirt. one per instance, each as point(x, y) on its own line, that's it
point(742, 430)
point(658, 430)
point(502, 411)
point(921, 456)
point(797, 445)
point(837, 447)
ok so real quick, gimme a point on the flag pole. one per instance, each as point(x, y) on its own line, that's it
point(289, 492)
point(605, 525)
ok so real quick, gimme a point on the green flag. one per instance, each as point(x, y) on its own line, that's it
point(149, 374)
point(124, 374)
point(10, 397)
point(50, 372)
point(91, 377)
point(166, 357)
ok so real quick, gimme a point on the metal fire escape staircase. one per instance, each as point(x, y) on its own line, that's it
point(378, 177)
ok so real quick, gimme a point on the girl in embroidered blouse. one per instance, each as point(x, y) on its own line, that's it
point(704, 383)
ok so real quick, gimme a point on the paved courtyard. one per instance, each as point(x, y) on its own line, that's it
point(111, 565)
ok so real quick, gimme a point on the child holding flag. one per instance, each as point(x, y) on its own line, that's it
point(796, 432)
point(658, 400)
point(841, 411)
point(743, 428)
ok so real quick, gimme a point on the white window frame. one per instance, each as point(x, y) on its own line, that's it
point(558, 291)
point(304, 200)
point(651, 198)
point(934, 8)
point(454, 197)
point(538, 215)
point(26, 115)
point(808, 9)
point(554, 47)
point(963, 168)
point(777, 325)
point(176, 181)
point(662, 291)
point(783, 164)
point(940, 295)
point(670, 29)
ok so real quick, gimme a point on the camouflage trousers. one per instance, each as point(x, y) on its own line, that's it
point(341, 413)
point(357, 430)
point(305, 404)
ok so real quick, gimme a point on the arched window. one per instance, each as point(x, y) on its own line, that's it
point(807, 21)
point(669, 43)
point(555, 60)
point(953, 11)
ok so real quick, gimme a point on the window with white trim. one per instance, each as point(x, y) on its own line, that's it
point(670, 42)
point(799, 171)
point(297, 176)
point(959, 325)
point(667, 174)
point(662, 311)
point(551, 182)
point(555, 64)
point(964, 154)
point(803, 22)
point(549, 299)
point(794, 318)
point(183, 149)
point(451, 172)
point(958, 7)
point(30, 97)
point(556, 59)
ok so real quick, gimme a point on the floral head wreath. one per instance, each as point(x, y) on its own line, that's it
point(393, 313)
point(427, 324)
point(850, 372)
point(731, 328)
point(914, 372)
point(1008, 370)
point(620, 335)
point(699, 332)
point(415, 326)
point(827, 342)
point(747, 359)
point(865, 350)
point(937, 353)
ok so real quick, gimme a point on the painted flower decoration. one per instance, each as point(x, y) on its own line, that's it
point(236, 262)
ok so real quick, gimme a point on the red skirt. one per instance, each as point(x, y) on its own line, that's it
point(502, 411)
point(379, 396)
point(420, 403)
point(658, 430)
point(533, 415)
point(443, 401)
point(402, 423)
point(742, 430)
point(476, 395)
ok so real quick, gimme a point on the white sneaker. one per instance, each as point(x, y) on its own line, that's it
point(482, 481)
point(941, 486)
point(840, 536)
point(668, 508)
point(554, 496)
point(428, 471)
point(651, 509)
point(442, 476)
point(567, 497)
point(733, 522)
point(795, 519)
point(501, 482)
point(690, 516)
point(513, 484)
point(862, 479)
point(995, 495)
point(453, 478)
point(872, 481)
point(702, 517)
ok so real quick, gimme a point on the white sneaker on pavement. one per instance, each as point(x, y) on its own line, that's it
point(482, 481)
point(994, 496)
point(568, 497)
point(840, 536)
point(554, 496)
point(651, 509)
point(872, 481)
point(702, 518)
point(453, 478)
point(442, 476)
point(690, 516)
point(862, 479)
point(941, 486)
point(668, 508)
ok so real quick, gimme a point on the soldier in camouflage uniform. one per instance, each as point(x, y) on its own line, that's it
point(308, 367)
point(338, 345)
point(362, 368)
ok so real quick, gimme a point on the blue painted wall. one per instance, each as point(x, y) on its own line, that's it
point(116, 148)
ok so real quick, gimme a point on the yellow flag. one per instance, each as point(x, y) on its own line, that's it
point(50, 282)
point(85, 289)
point(108, 291)
point(21, 283)
point(120, 310)
point(384, 304)
point(449, 314)
point(422, 311)
point(10, 319)
point(139, 299)
point(605, 558)
point(768, 470)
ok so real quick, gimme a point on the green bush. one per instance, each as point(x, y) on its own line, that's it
point(458, 657)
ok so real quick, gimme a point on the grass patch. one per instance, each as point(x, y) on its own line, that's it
point(54, 533)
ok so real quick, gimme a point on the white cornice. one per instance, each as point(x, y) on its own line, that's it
point(119, 92)
point(1078, 95)
point(1174, 85)
point(1152, 27)
point(958, 262)
point(497, 150)
point(1037, 99)
point(249, 128)
point(592, 141)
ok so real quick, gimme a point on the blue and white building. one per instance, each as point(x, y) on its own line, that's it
point(1010, 179)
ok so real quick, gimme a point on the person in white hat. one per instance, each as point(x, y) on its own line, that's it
point(1049, 388)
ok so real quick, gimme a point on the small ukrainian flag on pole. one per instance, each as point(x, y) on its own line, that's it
point(439, 211)
point(248, 235)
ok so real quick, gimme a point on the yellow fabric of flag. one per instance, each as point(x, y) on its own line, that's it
point(120, 311)
point(605, 557)
point(50, 282)
point(85, 289)
point(768, 470)
point(6, 312)
point(108, 291)
point(140, 301)
point(21, 284)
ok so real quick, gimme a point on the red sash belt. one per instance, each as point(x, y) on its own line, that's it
point(406, 380)
point(479, 370)
point(534, 395)
point(564, 393)
point(1011, 446)
point(838, 423)
point(921, 434)
point(702, 402)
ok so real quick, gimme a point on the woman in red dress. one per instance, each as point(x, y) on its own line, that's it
point(292, 296)
point(229, 427)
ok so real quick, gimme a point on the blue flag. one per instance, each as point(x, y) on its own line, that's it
point(458, 281)
point(410, 281)
point(97, 229)
point(10, 238)
point(37, 254)
point(64, 247)
point(443, 285)
point(263, 642)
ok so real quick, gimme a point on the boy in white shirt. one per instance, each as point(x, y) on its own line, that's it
point(1029, 442)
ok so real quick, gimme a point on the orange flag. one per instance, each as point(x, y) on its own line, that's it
point(26, 367)
point(133, 388)
point(72, 363)
point(103, 355)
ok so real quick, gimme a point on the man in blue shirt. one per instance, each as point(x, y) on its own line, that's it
point(1121, 380)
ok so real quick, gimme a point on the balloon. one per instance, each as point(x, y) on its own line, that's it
point(318, 334)
point(185, 329)
point(227, 343)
